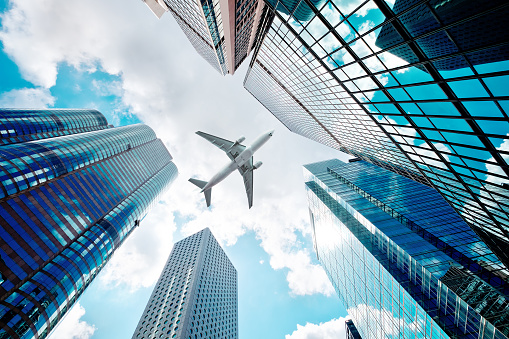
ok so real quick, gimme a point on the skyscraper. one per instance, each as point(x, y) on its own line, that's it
point(196, 295)
point(69, 198)
point(223, 32)
point(403, 263)
point(467, 36)
point(414, 86)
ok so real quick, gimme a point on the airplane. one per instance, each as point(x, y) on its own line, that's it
point(241, 158)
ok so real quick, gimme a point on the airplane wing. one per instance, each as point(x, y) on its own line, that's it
point(247, 174)
point(232, 149)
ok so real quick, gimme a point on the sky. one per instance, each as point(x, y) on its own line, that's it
point(115, 56)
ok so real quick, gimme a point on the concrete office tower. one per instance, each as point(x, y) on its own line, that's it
point(196, 295)
point(18, 125)
point(403, 263)
point(223, 32)
point(437, 114)
point(69, 197)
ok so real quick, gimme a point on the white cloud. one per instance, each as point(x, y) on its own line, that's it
point(152, 245)
point(390, 325)
point(27, 98)
point(170, 87)
point(261, 262)
point(71, 327)
point(494, 169)
point(106, 88)
point(332, 329)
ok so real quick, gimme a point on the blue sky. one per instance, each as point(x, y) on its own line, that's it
point(266, 308)
point(116, 57)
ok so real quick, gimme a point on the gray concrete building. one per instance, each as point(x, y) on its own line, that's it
point(196, 295)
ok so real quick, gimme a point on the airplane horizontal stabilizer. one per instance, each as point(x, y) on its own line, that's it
point(207, 196)
point(201, 184)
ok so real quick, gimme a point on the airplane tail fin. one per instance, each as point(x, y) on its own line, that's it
point(202, 184)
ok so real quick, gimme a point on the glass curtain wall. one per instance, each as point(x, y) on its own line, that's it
point(416, 86)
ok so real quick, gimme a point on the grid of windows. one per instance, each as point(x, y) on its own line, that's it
point(190, 17)
point(17, 125)
point(58, 233)
point(24, 165)
point(418, 84)
point(247, 16)
point(214, 20)
point(196, 295)
point(424, 212)
point(394, 279)
point(300, 92)
point(202, 22)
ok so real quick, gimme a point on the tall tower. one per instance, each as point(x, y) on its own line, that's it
point(414, 86)
point(421, 20)
point(223, 32)
point(196, 295)
point(72, 189)
point(403, 263)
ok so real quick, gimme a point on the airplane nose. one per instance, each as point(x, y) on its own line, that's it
point(271, 132)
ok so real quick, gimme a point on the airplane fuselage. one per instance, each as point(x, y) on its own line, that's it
point(239, 161)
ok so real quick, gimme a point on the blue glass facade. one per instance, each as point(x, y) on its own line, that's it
point(401, 260)
point(68, 203)
point(196, 295)
point(18, 125)
point(223, 33)
point(415, 86)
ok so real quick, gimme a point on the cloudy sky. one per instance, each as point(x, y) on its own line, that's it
point(115, 56)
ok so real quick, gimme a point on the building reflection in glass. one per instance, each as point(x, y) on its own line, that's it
point(393, 248)
point(417, 87)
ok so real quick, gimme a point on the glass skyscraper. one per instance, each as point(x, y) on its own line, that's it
point(415, 86)
point(223, 32)
point(402, 261)
point(196, 295)
point(72, 189)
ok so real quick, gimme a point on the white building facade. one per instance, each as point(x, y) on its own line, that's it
point(196, 295)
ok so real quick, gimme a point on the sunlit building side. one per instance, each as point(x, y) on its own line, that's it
point(223, 32)
point(72, 189)
point(417, 87)
point(21, 125)
point(196, 294)
point(402, 261)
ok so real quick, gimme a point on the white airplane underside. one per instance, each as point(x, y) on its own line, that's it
point(241, 158)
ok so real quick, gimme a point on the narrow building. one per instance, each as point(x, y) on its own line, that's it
point(403, 263)
point(196, 295)
point(223, 32)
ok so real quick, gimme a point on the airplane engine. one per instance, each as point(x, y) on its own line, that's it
point(258, 165)
point(239, 140)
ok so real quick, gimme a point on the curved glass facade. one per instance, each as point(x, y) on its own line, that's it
point(402, 261)
point(223, 33)
point(24, 165)
point(416, 86)
point(60, 231)
point(20, 125)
